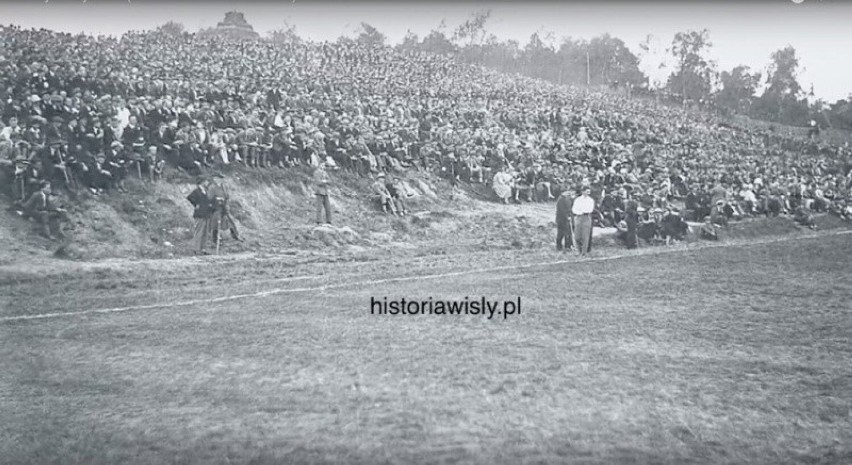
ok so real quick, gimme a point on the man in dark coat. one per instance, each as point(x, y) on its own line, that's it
point(564, 232)
point(40, 207)
point(630, 231)
point(203, 211)
point(221, 217)
point(673, 227)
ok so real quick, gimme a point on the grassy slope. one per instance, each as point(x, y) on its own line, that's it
point(724, 355)
point(275, 212)
point(274, 209)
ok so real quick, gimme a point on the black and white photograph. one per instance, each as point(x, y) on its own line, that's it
point(425, 232)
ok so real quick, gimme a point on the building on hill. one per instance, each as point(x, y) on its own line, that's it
point(234, 26)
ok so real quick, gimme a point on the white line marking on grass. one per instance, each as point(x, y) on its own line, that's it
point(651, 252)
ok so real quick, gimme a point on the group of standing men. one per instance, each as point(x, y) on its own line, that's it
point(574, 220)
point(211, 213)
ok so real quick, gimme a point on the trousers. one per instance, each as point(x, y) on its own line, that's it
point(564, 238)
point(583, 233)
point(199, 233)
point(323, 203)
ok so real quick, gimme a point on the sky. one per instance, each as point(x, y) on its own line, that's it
point(742, 32)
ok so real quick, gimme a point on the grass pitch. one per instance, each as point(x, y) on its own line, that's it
point(724, 355)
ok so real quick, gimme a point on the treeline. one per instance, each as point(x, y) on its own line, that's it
point(774, 96)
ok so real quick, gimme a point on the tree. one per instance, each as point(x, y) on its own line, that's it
point(739, 87)
point(693, 78)
point(840, 113)
point(409, 43)
point(285, 35)
point(539, 59)
point(172, 28)
point(370, 36)
point(572, 61)
point(473, 29)
point(500, 55)
point(436, 41)
point(610, 61)
point(783, 100)
point(653, 57)
point(781, 78)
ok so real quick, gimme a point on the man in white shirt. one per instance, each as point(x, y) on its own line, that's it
point(749, 199)
point(7, 132)
point(582, 210)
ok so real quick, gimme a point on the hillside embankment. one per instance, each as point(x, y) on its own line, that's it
point(275, 212)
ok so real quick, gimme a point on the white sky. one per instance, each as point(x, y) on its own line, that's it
point(741, 32)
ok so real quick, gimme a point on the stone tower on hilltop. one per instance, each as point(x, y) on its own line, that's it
point(234, 26)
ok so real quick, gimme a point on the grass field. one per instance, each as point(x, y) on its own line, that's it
point(722, 355)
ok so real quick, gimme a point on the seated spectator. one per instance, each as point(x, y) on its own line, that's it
point(380, 190)
point(804, 218)
point(708, 231)
point(397, 193)
point(41, 208)
point(673, 227)
point(525, 184)
point(718, 215)
point(503, 185)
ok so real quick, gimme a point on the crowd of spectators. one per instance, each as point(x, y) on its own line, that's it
point(86, 112)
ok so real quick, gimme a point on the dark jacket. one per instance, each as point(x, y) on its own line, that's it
point(38, 202)
point(563, 210)
point(202, 203)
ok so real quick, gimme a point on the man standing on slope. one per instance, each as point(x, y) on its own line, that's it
point(322, 180)
point(221, 218)
point(564, 233)
point(203, 211)
point(582, 209)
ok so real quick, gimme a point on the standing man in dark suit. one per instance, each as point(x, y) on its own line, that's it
point(632, 221)
point(203, 211)
point(564, 228)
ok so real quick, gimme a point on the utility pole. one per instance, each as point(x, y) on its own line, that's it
point(588, 71)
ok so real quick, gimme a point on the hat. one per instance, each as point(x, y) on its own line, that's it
point(381, 175)
point(115, 144)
